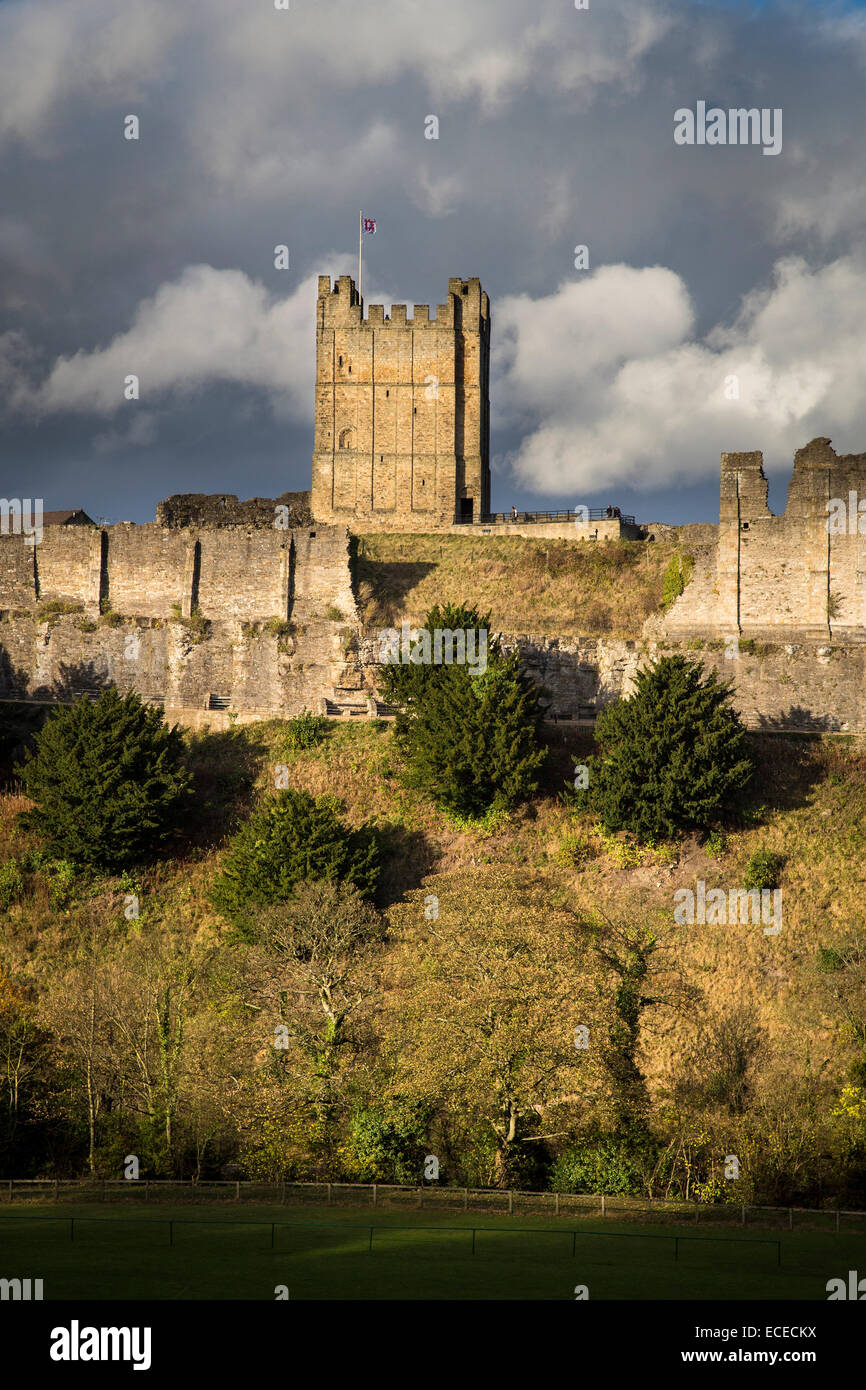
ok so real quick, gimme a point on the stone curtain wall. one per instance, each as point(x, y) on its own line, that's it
point(790, 686)
point(232, 573)
point(153, 577)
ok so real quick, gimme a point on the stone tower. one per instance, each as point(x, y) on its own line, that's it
point(402, 412)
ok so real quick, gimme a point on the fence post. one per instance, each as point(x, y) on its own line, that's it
point(56, 1189)
point(696, 1213)
point(329, 1194)
point(790, 1218)
point(465, 1199)
point(743, 1220)
point(557, 1204)
point(837, 1223)
point(375, 1195)
point(420, 1196)
point(283, 1194)
point(11, 1181)
point(102, 1189)
point(237, 1192)
point(510, 1203)
point(147, 1189)
point(602, 1204)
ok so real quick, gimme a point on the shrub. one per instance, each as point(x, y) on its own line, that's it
point(292, 837)
point(56, 607)
point(387, 1142)
point(573, 851)
point(333, 613)
point(11, 884)
point(603, 1166)
point(61, 877)
point(306, 730)
point(763, 870)
point(108, 781)
point(279, 627)
point(717, 844)
point(673, 756)
point(677, 576)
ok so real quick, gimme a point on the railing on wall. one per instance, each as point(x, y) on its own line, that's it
point(594, 514)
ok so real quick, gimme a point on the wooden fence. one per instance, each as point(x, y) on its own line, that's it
point(430, 1197)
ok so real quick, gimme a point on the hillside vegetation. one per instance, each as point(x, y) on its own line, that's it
point(549, 587)
point(152, 1032)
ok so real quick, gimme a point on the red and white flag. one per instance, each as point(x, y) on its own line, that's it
point(368, 224)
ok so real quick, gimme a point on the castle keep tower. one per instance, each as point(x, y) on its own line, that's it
point(402, 411)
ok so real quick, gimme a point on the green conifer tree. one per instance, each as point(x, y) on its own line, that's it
point(292, 838)
point(674, 756)
point(108, 780)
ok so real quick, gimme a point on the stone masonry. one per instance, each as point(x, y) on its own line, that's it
point(239, 618)
point(402, 415)
point(783, 578)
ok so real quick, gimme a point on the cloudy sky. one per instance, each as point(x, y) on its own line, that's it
point(723, 306)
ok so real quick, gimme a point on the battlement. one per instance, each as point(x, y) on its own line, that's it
point(339, 305)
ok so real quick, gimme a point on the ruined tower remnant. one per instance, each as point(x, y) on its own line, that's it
point(798, 576)
point(402, 413)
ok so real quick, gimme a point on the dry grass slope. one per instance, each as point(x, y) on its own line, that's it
point(545, 587)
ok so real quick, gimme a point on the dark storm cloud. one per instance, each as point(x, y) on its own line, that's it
point(556, 128)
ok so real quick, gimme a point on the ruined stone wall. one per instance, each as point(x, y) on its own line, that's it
point(777, 686)
point(202, 509)
point(401, 410)
point(781, 577)
point(190, 615)
point(235, 572)
point(260, 673)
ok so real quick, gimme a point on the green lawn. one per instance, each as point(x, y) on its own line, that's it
point(119, 1253)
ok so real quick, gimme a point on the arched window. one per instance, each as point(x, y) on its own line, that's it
point(347, 438)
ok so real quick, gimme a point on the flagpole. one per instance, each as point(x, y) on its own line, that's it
point(360, 242)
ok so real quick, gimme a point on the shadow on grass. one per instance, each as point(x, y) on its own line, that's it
point(787, 768)
point(224, 767)
point(388, 583)
point(406, 857)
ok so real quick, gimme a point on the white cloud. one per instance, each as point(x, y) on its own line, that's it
point(610, 385)
point(205, 327)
